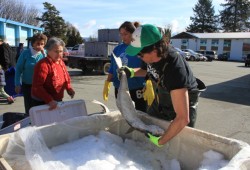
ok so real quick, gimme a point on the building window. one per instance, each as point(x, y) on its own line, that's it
point(227, 45)
point(203, 44)
point(10, 34)
point(184, 43)
point(246, 47)
point(215, 44)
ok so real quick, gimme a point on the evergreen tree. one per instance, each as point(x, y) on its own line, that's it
point(167, 32)
point(236, 16)
point(92, 38)
point(53, 24)
point(204, 19)
point(73, 36)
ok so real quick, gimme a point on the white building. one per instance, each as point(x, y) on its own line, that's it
point(237, 43)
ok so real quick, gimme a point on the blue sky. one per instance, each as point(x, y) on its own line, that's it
point(90, 15)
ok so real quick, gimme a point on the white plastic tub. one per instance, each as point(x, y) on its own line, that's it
point(41, 115)
point(187, 147)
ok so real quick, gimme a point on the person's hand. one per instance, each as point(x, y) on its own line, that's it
point(128, 71)
point(71, 93)
point(18, 89)
point(148, 93)
point(106, 89)
point(42, 51)
point(154, 139)
point(52, 105)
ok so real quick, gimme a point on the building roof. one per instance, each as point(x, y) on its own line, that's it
point(20, 24)
point(231, 35)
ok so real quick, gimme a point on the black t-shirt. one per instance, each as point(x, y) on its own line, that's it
point(173, 72)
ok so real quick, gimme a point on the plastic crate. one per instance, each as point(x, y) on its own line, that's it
point(10, 83)
point(41, 115)
point(14, 127)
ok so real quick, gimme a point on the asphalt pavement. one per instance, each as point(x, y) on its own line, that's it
point(224, 108)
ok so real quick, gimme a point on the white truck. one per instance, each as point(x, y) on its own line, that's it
point(95, 55)
point(91, 56)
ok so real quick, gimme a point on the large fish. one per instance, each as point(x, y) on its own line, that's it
point(127, 108)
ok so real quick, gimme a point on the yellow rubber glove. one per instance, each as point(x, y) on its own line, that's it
point(106, 89)
point(149, 94)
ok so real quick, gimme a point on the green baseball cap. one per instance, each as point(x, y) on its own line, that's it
point(143, 36)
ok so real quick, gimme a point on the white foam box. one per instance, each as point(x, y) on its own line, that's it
point(41, 115)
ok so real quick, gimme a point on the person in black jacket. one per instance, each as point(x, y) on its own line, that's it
point(6, 55)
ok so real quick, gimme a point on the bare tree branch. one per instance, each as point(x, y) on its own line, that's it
point(16, 10)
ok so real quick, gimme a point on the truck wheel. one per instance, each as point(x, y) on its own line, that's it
point(84, 69)
point(106, 68)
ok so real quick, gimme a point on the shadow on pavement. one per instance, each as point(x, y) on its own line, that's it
point(243, 66)
point(3, 101)
point(74, 73)
point(233, 91)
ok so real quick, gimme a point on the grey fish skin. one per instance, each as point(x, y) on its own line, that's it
point(127, 109)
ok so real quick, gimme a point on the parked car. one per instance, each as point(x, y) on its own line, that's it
point(247, 60)
point(77, 50)
point(65, 55)
point(194, 55)
point(184, 54)
point(69, 48)
point(202, 57)
point(224, 56)
point(211, 55)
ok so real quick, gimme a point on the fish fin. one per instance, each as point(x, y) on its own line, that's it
point(131, 129)
point(104, 107)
